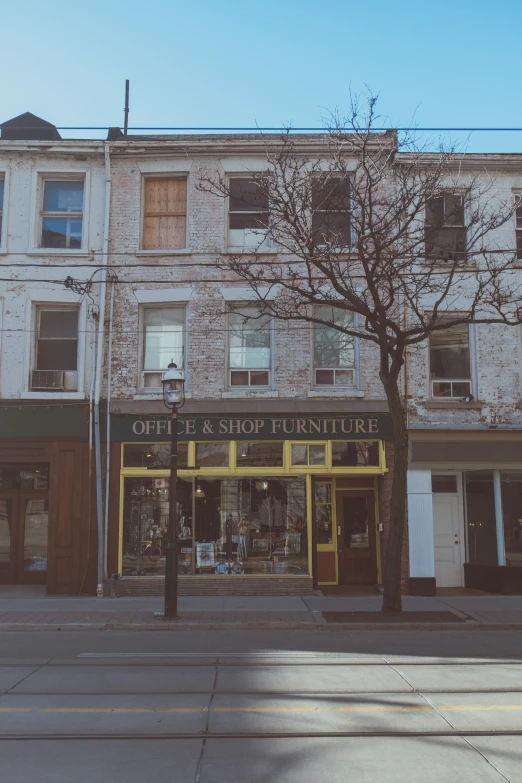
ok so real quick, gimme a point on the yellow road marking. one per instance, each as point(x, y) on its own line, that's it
point(480, 707)
point(381, 709)
point(267, 709)
point(181, 710)
point(120, 709)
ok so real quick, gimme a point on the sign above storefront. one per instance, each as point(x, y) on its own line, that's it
point(368, 426)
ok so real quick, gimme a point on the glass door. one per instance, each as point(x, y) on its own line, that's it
point(34, 523)
point(8, 531)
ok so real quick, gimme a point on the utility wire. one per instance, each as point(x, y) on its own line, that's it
point(258, 129)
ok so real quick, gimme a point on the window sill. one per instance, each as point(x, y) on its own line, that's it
point(346, 393)
point(155, 394)
point(3, 251)
point(164, 252)
point(249, 251)
point(42, 395)
point(453, 404)
point(248, 394)
point(59, 251)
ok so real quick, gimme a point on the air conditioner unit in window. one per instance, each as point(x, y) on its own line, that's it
point(70, 381)
point(48, 380)
point(152, 379)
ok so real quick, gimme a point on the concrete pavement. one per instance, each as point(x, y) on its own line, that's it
point(29, 609)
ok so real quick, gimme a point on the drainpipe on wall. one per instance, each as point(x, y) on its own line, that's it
point(99, 370)
point(113, 280)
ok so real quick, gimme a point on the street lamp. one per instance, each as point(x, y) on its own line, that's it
point(173, 382)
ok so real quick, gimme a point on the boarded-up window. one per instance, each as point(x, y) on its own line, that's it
point(165, 213)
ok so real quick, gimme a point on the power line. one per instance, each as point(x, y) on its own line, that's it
point(272, 130)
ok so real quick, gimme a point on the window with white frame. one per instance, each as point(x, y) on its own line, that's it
point(163, 342)
point(518, 225)
point(332, 211)
point(249, 357)
point(164, 213)
point(450, 366)
point(1, 206)
point(445, 230)
point(248, 213)
point(334, 351)
point(62, 213)
point(55, 356)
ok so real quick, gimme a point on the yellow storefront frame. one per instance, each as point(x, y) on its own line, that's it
point(323, 473)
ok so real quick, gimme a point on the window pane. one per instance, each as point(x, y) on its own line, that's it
point(333, 228)
point(344, 378)
point(257, 222)
point(2, 194)
point(212, 455)
point(249, 339)
point(355, 454)
point(145, 523)
point(325, 377)
point(454, 210)
point(441, 389)
point(333, 348)
point(435, 211)
point(239, 378)
point(461, 389)
point(512, 513)
point(323, 513)
point(300, 455)
point(259, 455)
point(153, 456)
point(445, 243)
point(449, 353)
point(35, 534)
point(164, 337)
point(6, 525)
point(331, 193)
point(61, 233)
point(316, 455)
point(59, 324)
point(65, 196)
point(251, 526)
point(57, 355)
point(443, 483)
point(246, 195)
point(34, 477)
point(259, 378)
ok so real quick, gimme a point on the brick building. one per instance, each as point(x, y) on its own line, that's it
point(285, 463)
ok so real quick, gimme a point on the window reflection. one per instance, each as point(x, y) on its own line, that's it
point(153, 455)
point(259, 455)
point(323, 513)
point(349, 454)
point(212, 455)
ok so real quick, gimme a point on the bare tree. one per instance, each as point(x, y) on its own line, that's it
point(377, 239)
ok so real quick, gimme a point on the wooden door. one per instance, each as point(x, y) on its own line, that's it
point(356, 538)
point(8, 537)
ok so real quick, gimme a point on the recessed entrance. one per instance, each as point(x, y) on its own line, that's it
point(356, 539)
point(24, 519)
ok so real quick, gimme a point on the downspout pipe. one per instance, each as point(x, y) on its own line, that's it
point(99, 375)
point(113, 280)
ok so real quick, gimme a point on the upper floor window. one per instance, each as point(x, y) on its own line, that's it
point(450, 367)
point(163, 342)
point(518, 224)
point(445, 231)
point(164, 213)
point(334, 351)
point(249, 359)
point(55, 357)
point(332, 211)
point(62, 214)
point(1, 206)
point(248, 214)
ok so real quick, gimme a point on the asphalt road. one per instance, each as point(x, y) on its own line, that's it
point(260, 706)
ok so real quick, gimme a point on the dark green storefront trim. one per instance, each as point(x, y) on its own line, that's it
point(44, 422)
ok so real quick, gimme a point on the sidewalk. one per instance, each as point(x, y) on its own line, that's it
point(27, 608)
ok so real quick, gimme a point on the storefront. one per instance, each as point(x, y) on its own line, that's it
point(465, 494)
point(47, 533)
point(263, 504)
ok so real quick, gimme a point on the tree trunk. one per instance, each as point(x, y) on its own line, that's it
point(392, 600)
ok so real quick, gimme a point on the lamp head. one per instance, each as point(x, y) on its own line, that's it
point(173, 383)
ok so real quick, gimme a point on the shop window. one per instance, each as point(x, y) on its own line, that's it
point(55, 366)
point(259, 455)
point(445, 231)
point(249, 348)
point(145, 525)
point(334, 351)
point(450, 368)
point(443, 483)
point(164, 213)
point(332, 212)
point(163, 342)
point(251, 526)
point(511, 483)
point(308, 454)
point(355, 454)
point(323, 513)
point(62, 214)
point(248, 216)
point(212, 455)
point(154, 456)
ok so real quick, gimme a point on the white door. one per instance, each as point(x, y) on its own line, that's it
point(448, 544)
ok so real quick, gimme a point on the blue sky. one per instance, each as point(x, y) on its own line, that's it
point(275, 62)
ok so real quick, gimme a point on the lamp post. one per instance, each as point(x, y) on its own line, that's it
point(173, 382)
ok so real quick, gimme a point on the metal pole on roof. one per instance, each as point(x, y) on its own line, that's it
point(126, 109)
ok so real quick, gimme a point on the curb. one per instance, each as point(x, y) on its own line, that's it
point(282, 626)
